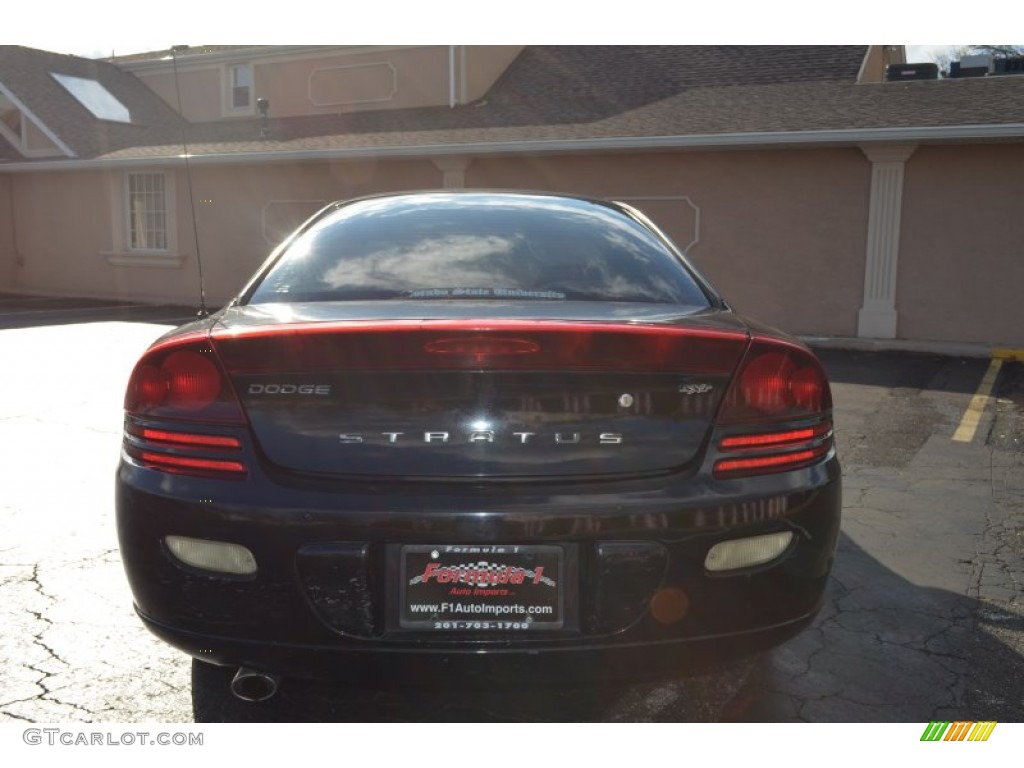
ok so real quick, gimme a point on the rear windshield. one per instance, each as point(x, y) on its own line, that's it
point(479, 246)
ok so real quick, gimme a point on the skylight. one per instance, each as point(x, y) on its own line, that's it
point(94, 97)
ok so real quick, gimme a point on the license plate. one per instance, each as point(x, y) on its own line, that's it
point(487, 588)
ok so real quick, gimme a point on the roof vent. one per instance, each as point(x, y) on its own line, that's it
point(899, 72)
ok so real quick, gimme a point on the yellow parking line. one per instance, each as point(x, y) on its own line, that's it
point(1005, 353)
point(972, 416)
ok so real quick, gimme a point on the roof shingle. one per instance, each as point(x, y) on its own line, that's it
point(26, 72)
point(555, 93)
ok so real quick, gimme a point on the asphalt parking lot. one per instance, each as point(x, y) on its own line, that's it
point(924, 617)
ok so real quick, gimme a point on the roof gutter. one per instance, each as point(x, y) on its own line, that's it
point(197, 58)
point(842, 137)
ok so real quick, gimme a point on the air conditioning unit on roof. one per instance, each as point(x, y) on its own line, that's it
point(977, 60)
point(900, 72)
point(977, 65)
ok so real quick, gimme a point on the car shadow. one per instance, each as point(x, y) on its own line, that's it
point(882, 650)
point(903, 370)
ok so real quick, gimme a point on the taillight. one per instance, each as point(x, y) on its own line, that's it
point(785, 439)
point(777, 383)
point(183, 381)
point(187, 439)
point(191, 465)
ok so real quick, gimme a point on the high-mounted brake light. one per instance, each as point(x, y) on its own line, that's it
point(481, 348)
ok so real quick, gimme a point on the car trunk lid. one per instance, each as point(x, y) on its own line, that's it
point(480, 397)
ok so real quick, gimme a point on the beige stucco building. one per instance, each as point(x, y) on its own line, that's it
point(815, 195)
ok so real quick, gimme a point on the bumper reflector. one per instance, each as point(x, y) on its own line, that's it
point(748, 552)
point(219, 556)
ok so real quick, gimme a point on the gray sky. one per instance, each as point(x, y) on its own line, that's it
point(919, 53)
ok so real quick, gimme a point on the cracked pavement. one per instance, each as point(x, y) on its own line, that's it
point(71, 648)
point(924, 617)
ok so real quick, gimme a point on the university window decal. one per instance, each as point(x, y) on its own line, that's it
point(147, 212)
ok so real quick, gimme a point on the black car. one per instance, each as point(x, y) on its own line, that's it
point(514, 429)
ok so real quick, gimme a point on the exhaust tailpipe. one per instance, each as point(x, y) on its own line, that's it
point(252, 685)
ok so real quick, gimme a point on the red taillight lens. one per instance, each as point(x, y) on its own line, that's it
point(765, 383)
point(186, 453)
point(184, 439)
point(775, 439)
point(759, 465)
point(182, 380)
point(777, 383)
point(190, 465)
point(148, 386)
point(809, 388)
point(193, 382)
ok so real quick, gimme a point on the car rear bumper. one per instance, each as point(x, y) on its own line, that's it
point(322, 604)
point(509, 666)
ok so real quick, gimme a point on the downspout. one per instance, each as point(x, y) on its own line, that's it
point(19, 260)
point(451, 77)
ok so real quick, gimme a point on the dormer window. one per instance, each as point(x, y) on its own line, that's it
point(13, 120)
point(238, 97)
point(23, 130)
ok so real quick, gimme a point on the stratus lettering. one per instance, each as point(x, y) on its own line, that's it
point(482, 436)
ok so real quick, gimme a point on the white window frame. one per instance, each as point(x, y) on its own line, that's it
point(131, 216)
point(122, 252)
point(227, 89)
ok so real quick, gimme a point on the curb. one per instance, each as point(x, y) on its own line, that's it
point(949, 349)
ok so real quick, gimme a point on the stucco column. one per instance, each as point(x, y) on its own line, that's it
point(453, 170)
point(877, 317)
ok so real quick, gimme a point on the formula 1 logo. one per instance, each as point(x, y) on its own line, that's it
point(482, 574)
